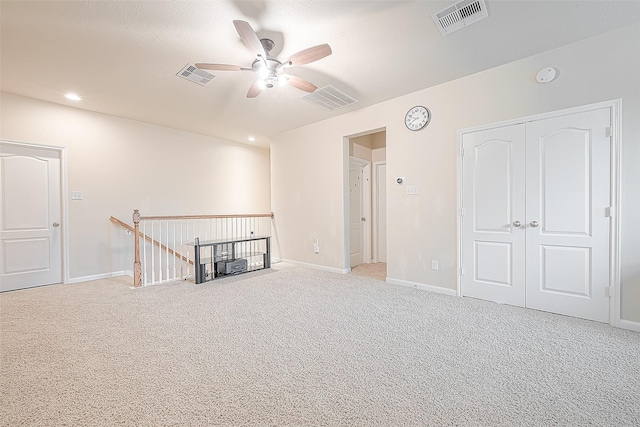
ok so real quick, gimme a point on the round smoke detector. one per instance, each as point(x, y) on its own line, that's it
point(546, 75)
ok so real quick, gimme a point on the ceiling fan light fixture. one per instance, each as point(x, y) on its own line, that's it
point(268, 67)
point(263, 73)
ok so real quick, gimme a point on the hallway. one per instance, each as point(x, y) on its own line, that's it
point(376, 270)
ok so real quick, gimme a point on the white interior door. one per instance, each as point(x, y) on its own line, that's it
point(382, 212)
point(536, 214)
point(494, 215)
point(365, 206)
point(568, 196)
point(30, 216)
point(355, 213)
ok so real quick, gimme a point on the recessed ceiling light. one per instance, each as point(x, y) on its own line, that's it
point(73, 97)
point(252, 139)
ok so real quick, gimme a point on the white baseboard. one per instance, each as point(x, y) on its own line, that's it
point(97, 277)
point(317, 267)
point(629, 324)
point(422, 286)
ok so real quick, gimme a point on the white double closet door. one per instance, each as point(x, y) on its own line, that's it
point(536, 214)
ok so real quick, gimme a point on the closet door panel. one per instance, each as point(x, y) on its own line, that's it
point(567, 231)
point(493, 200)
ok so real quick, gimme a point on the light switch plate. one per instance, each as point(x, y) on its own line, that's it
point(76, 195)
point(412, 189)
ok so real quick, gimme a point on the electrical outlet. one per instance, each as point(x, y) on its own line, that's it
point(316, 246)
point(76, 195)
point(412, 189)
point(434, 264)
point(127, 232)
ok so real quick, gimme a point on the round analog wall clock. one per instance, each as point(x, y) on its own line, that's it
point(417, 118)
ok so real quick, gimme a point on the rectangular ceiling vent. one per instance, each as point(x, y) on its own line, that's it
point(459, 15)
point(329, 98)
point(196, 75)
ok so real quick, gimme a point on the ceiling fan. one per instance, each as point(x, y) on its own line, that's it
point(268, 68)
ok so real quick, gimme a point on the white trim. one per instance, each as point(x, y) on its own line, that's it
point(629, 324)
point(422, 286)
point(97, 277)
point(317, 267)
point(64, 206)
point(458, 217)
point(614, 234)
point(541, 116)
point(346, 235)
point(615, 306)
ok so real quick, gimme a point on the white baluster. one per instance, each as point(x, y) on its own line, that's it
point(144, 253)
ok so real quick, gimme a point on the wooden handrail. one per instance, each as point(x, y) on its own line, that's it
point(150, 240)
point(162, 218)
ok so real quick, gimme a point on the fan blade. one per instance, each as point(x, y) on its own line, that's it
point(249, 38)
point(301, 84)
point(308, 55)
point(219, 67)
point(255, 89)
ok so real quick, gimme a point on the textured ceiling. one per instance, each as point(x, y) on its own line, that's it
point(122, 56)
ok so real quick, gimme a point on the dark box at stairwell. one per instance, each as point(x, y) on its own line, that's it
point(231, 266)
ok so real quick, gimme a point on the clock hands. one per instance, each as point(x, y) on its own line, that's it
point(417, 118)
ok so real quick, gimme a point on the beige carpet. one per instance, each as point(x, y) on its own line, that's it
point(301, 347)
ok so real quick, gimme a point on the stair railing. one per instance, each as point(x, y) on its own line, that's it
point(161, 250)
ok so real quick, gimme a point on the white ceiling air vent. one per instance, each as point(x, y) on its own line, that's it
point(196, 75)
point(329, 98)
point(459, 15)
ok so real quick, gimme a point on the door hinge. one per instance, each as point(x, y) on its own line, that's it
point(608, 291)
point(609, 131)
point(461, 152)
point(608, 212)
point(462, 271)
point(461, 213)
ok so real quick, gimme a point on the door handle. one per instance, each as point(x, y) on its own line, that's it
point(363, 219)
point(533, 224)
point(56, 224)
point(516, 223)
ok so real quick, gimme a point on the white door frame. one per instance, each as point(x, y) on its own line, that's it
point(614, 230)
point(62, 154)
point(365, 188)
point(375, 210)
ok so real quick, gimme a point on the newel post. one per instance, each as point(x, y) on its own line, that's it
point(137, 268)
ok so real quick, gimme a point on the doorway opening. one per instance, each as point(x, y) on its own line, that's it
point(365, 204)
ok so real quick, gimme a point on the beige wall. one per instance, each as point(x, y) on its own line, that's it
point(308, 169)
point(121, 165)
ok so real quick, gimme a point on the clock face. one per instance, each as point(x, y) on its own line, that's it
point(417, 118)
